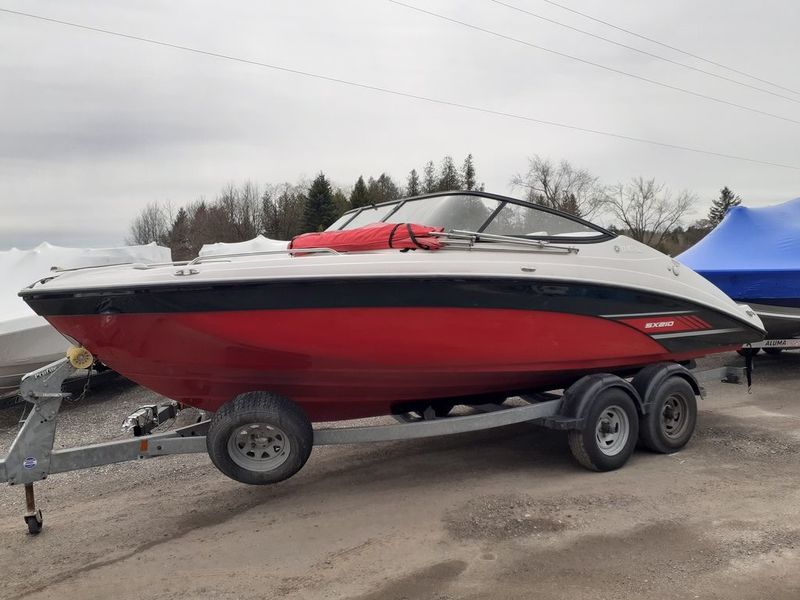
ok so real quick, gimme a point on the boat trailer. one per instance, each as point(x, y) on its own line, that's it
point(32, 457)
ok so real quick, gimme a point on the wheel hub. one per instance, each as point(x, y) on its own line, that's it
point(674, 416)
point(258, 447)
point(612, 430)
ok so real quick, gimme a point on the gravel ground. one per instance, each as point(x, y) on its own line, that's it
point(495, 514)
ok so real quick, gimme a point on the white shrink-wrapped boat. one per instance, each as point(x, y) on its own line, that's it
point(27, 341)
point(257, 244)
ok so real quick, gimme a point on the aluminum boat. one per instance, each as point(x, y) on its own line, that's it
point(511, 298)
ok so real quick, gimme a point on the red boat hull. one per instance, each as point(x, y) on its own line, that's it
point(340, 363)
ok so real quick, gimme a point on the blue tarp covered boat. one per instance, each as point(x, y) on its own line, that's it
point(753, 255)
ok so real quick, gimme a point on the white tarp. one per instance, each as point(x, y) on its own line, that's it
point(26, 338)
point(19, 268)
point(257, 244)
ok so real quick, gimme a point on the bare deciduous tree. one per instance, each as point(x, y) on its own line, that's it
point(561, 186)
point(283, 210)
point(240, 211)
point(151, 225)
point(646, 209)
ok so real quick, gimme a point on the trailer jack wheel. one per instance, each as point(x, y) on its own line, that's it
point(33, 516)
point(34, 522)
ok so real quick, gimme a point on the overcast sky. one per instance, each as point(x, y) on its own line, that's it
point(94, 127)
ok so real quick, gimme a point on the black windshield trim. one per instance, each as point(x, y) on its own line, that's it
point(489, 219)
point(603, 234)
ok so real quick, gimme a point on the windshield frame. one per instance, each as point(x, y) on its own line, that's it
point(603, 234)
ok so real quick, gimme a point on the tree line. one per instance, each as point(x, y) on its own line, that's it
point(641, 208)
point(281, 211)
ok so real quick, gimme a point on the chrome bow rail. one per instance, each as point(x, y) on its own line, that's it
point(201, 259)
point(291, 251)
point(451, 240)
point(467, 240)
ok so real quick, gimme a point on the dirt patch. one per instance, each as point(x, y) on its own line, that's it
point(497, 514)
point(503, 517)
point(660, 560)
point(613, 564)
point(419, 584)
point(754, 541)
point(746, 442)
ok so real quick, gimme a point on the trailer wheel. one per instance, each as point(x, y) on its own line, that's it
point(773, 351)
point(671, 417)
point(608, 437)
point(259, 438)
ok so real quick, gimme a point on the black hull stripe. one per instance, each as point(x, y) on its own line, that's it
point(372, 292)
point(351, 292)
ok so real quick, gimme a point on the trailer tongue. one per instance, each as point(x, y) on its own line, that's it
point(32, 457)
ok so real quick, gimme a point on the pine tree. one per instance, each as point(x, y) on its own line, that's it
point(726, 201)
point(382, 189)
point(430, 182)
point(449, 178)
point(569, 204)
point(413, 188)
point(179, 236)
point(340, 202)
point(320, 210)
point(468, 173)
point(358, 197)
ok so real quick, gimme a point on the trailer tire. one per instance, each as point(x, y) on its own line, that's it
point(609, 435)
point(773, 351)
point(259, 438)
point(671, 417)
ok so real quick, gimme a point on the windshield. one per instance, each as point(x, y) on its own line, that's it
point(450, 212)
point(515, 219)
point(475, 212)
point(370, 214)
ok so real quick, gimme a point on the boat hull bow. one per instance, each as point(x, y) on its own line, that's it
point(347, 348)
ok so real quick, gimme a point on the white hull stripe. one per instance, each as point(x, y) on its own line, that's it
point(650, 314)
point(662, 336)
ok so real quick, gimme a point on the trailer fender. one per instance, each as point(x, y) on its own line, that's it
point(651, 378)
point(578, 398)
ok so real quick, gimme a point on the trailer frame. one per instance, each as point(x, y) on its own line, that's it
point(32, 458)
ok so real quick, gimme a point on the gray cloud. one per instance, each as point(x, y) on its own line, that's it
point(93, 127)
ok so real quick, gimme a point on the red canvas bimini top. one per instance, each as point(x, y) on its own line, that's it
point(378, 236)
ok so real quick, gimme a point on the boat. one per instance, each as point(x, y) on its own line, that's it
point(257, 244)
point(28, 341)
point(753, 255)
point(406, 308)
point(518, 298)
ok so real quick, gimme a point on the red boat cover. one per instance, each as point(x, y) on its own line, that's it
point(378, 236)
